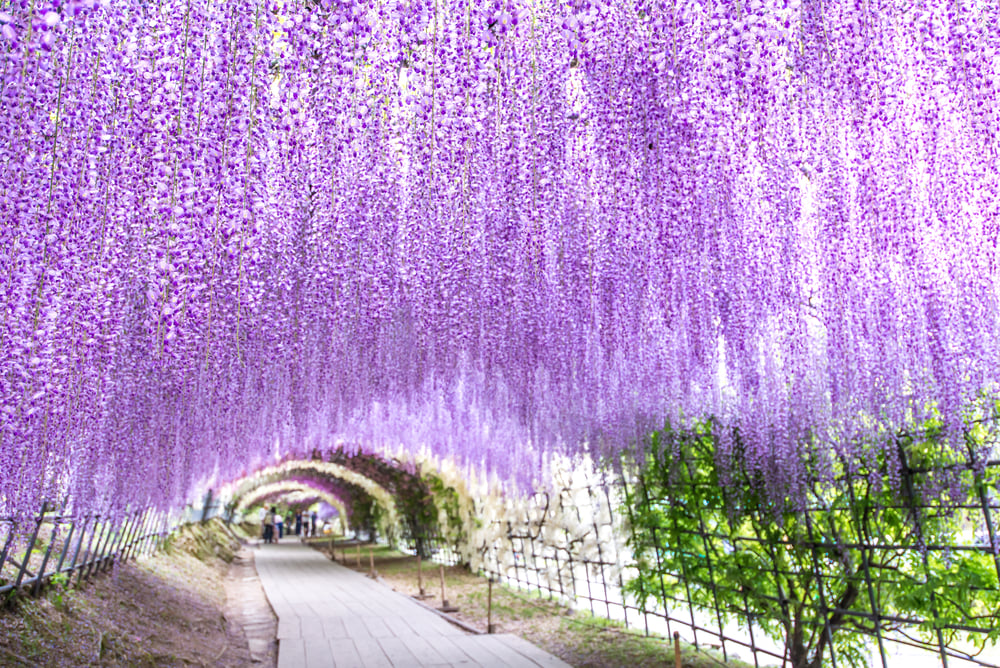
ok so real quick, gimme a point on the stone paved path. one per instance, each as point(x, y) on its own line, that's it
point(331, 617)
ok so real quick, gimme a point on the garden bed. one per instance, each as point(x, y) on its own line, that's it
point(576, 637)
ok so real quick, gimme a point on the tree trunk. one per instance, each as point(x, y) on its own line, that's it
point(798, 653)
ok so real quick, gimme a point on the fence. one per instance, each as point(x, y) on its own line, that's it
point(55, 545)
point(69, 546)
point(894, 549)
point(564, 543)
point(891, 558)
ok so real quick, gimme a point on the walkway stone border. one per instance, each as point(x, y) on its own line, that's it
point(247, 610)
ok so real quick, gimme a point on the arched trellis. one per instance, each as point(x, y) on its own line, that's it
point(416, 505)
point(268, 490)
point(420, 495)
point(341, 490)
point(333, 471)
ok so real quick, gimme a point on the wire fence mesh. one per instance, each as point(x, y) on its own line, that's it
point(874, 562)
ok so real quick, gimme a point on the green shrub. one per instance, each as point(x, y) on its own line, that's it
point(827, 568)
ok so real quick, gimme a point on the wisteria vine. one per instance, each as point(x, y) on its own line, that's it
point(236, 231)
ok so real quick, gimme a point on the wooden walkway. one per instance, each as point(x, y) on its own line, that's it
point(331, 617)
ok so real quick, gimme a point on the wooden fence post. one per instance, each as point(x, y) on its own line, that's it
point(445, 605)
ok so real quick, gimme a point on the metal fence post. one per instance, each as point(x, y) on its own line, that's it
point(66, 545)
point(137, 534)
point(79, 545)
point(23, 568)
point(153, 536)
point(163, 532)
point(48, 550)
point(145, 536)
point(87, 567)
point(126, 544)
point(138, 519)
point(206, 510)
point(116, 542)
point(111, 550)
point(102, 546)
point(12, 525)
point(132, 522)
point(919, 531)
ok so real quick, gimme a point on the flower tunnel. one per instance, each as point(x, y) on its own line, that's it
point(296, 492)
point(618, 288)
point(569, 534)
point(336, 480)
point(376, 495)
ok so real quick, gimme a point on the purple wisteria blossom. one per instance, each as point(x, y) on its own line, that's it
point(234, 232)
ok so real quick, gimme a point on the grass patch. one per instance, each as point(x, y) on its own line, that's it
point(578, 638)
point(603, 642)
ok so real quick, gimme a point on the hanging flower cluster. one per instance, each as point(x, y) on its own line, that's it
point(235, 231)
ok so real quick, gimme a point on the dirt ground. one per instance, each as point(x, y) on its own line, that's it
point(190, 605)
point(579, 639)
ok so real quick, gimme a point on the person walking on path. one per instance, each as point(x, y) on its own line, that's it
point(298, 523)
point(279, 522)
point(312, 522)
point(268, 522)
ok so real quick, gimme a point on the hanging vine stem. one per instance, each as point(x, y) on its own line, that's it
point(248, 208)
